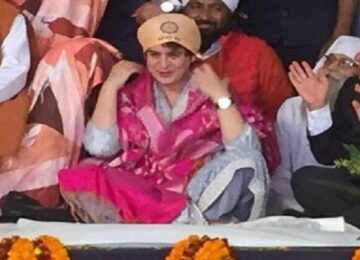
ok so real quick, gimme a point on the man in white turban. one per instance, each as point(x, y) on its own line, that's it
point(338, 63)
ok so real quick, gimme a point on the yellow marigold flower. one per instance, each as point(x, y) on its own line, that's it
point(37, 251)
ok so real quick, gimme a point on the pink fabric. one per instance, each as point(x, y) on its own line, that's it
point(64, 78)
point(57, 21)
point(147, 183)
point(72, 65)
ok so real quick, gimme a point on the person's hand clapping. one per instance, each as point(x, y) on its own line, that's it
point(312, 87)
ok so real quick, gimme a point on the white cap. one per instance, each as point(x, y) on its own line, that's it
point(231, 4)
point(347, 45)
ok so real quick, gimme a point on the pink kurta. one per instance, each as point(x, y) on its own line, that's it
point(146, 183)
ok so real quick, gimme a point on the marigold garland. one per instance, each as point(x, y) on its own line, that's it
point(356, 255)
point(204, 248)
point(43, 248)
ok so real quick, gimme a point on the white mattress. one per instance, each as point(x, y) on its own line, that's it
point(267, 232)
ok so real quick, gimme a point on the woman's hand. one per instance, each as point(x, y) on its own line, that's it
point(231, 121)
point(105, 111)
point(205, 78)
point(313, 88)
point(120, 73)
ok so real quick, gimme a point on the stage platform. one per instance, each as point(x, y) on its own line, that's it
point(309, 253)
point(267, 238)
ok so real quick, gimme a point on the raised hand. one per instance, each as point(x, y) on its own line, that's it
point(312, 87)
point(105, 111)
point(120, 73)
point(146, 11)
point(205, 78)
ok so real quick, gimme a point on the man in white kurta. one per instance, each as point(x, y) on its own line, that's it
point(291, 126)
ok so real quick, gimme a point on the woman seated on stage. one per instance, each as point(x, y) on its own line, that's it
point(177, 149)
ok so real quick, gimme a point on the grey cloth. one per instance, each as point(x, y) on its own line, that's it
point(236, 201)
point(168, 113)
point(101, 142)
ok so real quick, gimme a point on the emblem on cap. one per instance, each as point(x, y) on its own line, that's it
point(169, 27)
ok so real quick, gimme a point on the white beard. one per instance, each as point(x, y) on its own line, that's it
point(334, 88)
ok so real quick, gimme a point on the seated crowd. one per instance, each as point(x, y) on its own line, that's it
point(186, 120)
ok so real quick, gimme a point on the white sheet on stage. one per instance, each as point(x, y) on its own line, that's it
point(266, 232)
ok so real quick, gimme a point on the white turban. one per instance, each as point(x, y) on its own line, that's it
point(347, 45)
point(231, 4)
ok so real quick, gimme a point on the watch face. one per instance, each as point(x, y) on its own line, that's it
point(224, 102)
point(167, 7)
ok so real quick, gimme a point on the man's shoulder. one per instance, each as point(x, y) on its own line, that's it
point(240, 46)
point(238, 39)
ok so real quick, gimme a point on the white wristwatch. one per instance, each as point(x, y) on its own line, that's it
point(169, 6)
point(224, 103)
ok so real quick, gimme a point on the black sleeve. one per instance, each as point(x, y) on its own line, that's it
point(329, 145)
point(326, 147)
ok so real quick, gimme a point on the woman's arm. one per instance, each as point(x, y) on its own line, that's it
point(101, 134)
point(101, 142)
point(231, 121)
point(105, 110)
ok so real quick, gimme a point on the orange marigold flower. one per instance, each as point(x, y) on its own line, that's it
point(45, 247)
point(182, 249)
point(194, 248)
point(22, 249)
point(56, 248)
point(356, 255)
point(215, 249)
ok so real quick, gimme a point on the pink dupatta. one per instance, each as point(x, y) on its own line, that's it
point(147, 182)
